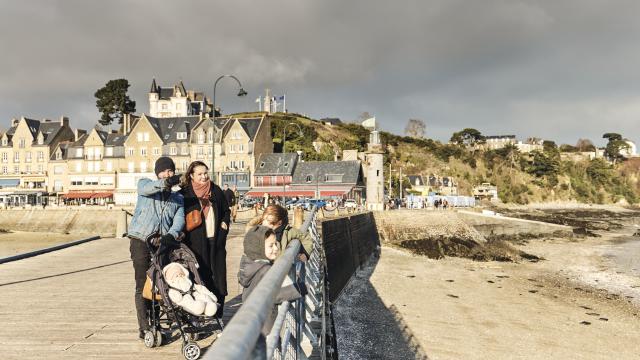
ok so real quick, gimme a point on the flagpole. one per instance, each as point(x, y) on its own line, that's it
point(284, 103)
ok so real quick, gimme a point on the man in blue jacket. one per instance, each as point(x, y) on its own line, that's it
point(159, 215)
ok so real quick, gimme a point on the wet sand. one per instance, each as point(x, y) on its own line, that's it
point(17, 242)
point(461, 309)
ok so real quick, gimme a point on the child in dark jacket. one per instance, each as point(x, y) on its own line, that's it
point(260, 250)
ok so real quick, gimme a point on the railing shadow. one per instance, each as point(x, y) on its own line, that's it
point(366, 328)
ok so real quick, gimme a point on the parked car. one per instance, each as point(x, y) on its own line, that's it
point(350, 204)
point(317, 202)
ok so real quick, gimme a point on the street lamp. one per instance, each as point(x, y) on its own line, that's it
point(284, 139)
point(241, 92)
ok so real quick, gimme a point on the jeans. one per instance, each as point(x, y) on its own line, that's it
point(141, 260)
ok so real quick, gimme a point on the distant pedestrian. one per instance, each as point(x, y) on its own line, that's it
point(231, 200)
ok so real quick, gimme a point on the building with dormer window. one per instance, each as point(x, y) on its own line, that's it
point(176, 101)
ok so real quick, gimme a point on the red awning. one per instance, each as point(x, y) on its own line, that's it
point(288, 193)
point(77, 195)
point(102, 195)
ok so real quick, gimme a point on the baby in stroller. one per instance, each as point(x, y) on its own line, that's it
point(180, 301)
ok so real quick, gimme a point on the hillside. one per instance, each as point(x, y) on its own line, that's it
point(521, 178)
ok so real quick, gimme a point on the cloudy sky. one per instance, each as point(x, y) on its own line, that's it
point(557, 69)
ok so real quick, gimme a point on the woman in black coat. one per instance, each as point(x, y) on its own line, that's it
point(208, 239)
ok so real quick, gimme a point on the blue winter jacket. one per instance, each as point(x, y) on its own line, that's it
point(157, 211)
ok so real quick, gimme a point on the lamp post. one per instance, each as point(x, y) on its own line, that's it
point(284, 139)
point(241, 92)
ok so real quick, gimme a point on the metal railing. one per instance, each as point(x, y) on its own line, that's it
point(300, 327)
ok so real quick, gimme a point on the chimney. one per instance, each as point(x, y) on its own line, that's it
point(126, 124)
point(64, 121)
point(14, 122)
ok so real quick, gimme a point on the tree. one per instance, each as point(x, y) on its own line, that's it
point(585, 145)
point(113, 101)
point(615, 147)
point(468, 137)
point(415, 128)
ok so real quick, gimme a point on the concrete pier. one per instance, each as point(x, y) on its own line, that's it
point(77, 303)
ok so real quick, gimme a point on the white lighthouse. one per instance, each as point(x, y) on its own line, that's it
point(375, 174)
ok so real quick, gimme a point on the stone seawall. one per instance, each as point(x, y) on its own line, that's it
point(72, 221)
point(492, 225)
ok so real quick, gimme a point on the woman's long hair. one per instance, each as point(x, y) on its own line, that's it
point(278, 212)
point(187, 176)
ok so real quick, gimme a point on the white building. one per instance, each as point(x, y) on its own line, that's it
point(176, 101)
point(375, 174)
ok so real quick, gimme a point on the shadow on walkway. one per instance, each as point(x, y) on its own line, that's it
point(366, 328)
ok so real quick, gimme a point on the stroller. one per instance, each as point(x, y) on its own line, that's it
point(165, 317)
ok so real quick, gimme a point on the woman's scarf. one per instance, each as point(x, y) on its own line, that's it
point(203, 192)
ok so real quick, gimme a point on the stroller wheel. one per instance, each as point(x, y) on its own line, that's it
point(149, 339)
point(158, 337)
point(191, 350)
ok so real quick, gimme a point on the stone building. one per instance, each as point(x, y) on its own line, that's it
point(375, 173)
point(25, 151)
point(176, 101)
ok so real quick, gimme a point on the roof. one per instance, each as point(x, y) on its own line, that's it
point(168, 92)
point(50, 130)
point(274, 164)
point(351, 172)
point(332, 121)
point(416, 180)
point(500, 137)
point(250, 126)
point(115, 139)
point(64, 147)
point(168, 128)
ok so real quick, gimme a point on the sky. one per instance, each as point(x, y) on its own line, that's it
point(557, 69)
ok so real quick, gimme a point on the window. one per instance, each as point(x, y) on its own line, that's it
point(57, 185)
point(21, 143)
point(377, 172)
point(4, 170)
point(109, 166)
point(242, 178)
point(78, 167)
point(28, 169)
point(40, 156)
point(164, 106)
point(309, 178)
point(260, 181)
point(181, 135)
point(108, 151)
point(89, 166)
point(40, 169)
point(90, 154)
point(143, 151)
point(232, 164)
point(16, 157)
point(210, 136)
point(201, 137)
point(131, 167)
point(200, 151)
point(59, 155)
point(185, 150)
point(91, 181)
point(58, 170)
point(241, 148)
point(4, 142)
point(139, 136)
point(27, 157)
point(185, 164)
point(178, 106)
point(173, 150)
point(262, 164)
point(274, 180)
point(156, 151)
point(97, 167)
point(16, 169)
point(146, 136)
point(131, 151)
point(241, 164)
point(5, 157)
point(170, 125)
point(76, 182)
point(143, 166)
point(106, 180)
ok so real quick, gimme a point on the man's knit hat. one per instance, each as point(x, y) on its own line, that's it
point(254, 242)
point(163, 163)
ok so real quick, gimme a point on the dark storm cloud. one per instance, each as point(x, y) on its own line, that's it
point(555, 69)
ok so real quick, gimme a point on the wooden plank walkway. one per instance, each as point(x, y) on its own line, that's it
point(77, 303)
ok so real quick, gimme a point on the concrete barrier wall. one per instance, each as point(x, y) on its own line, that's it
point(72, 220)
point(491, 225)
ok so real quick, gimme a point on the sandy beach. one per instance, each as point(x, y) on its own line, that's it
point(17, 242)
point(577, 303)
